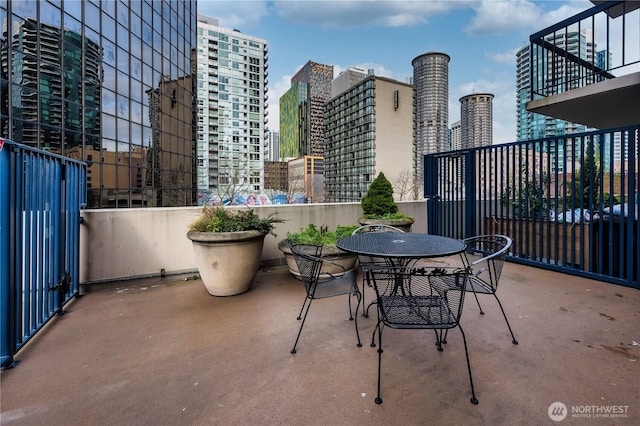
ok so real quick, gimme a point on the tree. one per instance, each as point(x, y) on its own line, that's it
point(378, 201)
point(405, 187)
point(585, 188)
point(233, 181)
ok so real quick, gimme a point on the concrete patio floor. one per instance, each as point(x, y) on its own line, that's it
point(164, 352)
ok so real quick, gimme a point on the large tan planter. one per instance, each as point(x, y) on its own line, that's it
point(553, 241)
point(334, 254)
point(403, 224)
point(227, 261)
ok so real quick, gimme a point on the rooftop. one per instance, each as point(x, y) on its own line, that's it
point(163, 351)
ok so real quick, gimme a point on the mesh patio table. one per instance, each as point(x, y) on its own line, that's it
point(401, 248)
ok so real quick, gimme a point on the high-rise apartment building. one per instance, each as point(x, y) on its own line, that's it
point(293, 107)
point(431, 107)
point(107, 82)
point(347, 79)
point(476, 120)
point(231, 111)
point(455, 136)
point(302, 111)
point(306, 179)
point(272, 146)
point(369, 130)
point(536, 126)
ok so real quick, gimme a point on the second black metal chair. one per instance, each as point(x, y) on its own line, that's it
point(418, 299)
point(323, 278)
point(485, 255)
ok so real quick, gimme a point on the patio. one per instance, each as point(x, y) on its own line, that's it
point(162, 351)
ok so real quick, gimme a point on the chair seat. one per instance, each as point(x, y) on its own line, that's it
point(478, 286)
point(329, 286)
point(417, 312)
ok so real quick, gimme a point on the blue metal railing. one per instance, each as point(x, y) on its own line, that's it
point(41, 195)
point(569, 203)
point(592, 46)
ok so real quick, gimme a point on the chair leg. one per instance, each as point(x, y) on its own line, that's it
point(378, 400)
point(474, 400)
point(441, 338)
point(364, 278)
point(478, 302)
point(373, 302)
point(514, 341)
point(293, 350)
point(359, 297)
point(306, 299)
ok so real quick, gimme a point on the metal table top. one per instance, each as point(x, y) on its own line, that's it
point(396, 245)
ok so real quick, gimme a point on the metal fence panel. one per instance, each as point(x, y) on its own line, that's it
point(41, 195)
point(569, 203)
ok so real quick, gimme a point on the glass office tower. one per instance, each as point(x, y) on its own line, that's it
point(109, 82)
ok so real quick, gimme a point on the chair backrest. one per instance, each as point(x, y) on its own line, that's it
point(375, 228)
point(418, 298)
point(485, 256)
point(309, 262)
point(321, 276)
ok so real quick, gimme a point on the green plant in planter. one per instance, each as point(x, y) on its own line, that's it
point(315, 235)
point(219, 219)
point(227, 246)
point(378, 202)
point(527, 197)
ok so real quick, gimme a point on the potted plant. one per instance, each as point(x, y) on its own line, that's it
point(528, 218)
point(379, 207)
point(228, 248)
point(315, 235)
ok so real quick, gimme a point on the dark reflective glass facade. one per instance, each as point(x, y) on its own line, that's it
point(109, 82)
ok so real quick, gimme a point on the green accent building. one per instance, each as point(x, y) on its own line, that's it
point(293, 107)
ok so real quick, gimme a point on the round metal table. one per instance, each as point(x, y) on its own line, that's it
point(401, 246)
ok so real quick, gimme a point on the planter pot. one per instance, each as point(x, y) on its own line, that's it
point(547, 241)
point(342, 258)
point(403, 224)
point(227, 261)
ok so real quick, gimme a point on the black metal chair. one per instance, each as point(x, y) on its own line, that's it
point(323, 278)
point(366, 263)
point(420, 299)
point(485, 255)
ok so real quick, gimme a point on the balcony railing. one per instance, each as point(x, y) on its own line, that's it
point(41, 195)
point(570, 203)
point(598, 44)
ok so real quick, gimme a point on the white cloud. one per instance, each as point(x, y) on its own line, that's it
point(523, 16)
point(501, 16)
point(507, 57)
point(234, 13)
point(363, 13)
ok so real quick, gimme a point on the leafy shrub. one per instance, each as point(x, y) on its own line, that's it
point(378, 202)
point(315, 235)
point(219, 219)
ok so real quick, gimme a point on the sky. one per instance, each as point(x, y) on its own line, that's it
point(481, 37)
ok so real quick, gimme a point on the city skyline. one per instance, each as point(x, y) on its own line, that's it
point(482, 38)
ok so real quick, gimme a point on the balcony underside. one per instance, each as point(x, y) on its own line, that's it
point(604, 105)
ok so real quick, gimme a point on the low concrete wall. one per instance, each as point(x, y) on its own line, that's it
point(118, 244)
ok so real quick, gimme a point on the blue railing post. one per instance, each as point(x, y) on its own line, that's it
point(430, 185)
point(470, 193)
point(7, 328)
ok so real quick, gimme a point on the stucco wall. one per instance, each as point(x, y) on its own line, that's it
point(132, 243)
